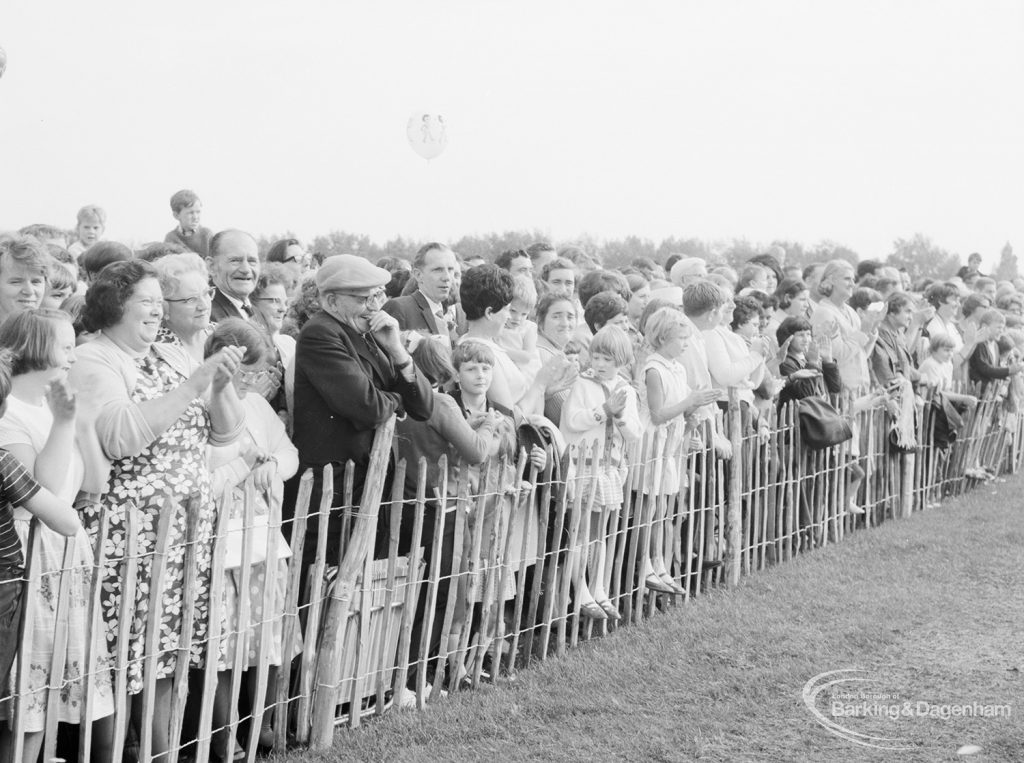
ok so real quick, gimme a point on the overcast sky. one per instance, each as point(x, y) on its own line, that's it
point(854, 121)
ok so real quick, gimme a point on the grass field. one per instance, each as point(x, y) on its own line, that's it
point(931, 607)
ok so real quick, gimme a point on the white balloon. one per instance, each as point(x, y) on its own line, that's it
point(427, 133)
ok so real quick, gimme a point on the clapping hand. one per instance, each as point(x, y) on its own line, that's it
point(61, 399)
point(616, 402)
point(557, 373)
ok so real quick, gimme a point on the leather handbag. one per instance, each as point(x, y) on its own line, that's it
point(821, 425)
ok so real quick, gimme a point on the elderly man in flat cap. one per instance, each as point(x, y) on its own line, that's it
point(351, 373)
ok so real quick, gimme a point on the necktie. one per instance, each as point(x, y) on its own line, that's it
point(247, 309)
point(442, 325)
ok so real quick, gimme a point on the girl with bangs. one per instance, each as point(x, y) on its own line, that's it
point(38, 428)
point(601, 413)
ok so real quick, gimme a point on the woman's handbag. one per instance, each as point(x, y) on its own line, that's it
point(821, 425)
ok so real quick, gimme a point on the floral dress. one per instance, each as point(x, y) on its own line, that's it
point(172, 467)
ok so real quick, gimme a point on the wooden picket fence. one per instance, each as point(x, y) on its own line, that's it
point(502, 593)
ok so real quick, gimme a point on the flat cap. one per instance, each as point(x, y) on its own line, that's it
point(347, 272)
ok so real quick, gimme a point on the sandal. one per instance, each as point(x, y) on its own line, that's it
point(593, 610)
point(610, 609)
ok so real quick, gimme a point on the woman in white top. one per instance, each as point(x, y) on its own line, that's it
point(852, 338)
point(38, 428)
point(486, 293)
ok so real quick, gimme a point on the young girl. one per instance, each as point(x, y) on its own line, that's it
point(265, 455)
point(601, 413)
point(668, 402)
point(519, 336)
point(37, 433)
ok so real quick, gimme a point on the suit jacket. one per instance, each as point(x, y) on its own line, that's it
point(984, 367)
point(413, 313)
point(223, 307)
point(346, 387)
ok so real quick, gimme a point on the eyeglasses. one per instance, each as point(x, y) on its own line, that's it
point(377, 298)
point(276, 301)
point(192, 301)
point(250, 377)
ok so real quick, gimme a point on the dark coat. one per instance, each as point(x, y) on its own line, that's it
point(798, 389)
point(222, 308)
point(984, 367)
point(346, 387)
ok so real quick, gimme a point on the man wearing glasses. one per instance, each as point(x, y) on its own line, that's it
point(352, 373)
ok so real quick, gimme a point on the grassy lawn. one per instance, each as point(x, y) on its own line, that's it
point(932, 608)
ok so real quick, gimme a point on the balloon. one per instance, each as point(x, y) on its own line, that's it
point(427, 133)
point(3, 61)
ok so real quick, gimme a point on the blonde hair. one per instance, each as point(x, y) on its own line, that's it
point(613, 342)
point(523, 290)
point(662, 324)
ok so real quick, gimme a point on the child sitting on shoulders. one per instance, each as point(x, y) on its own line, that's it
point(519, 337)
point(92, 221)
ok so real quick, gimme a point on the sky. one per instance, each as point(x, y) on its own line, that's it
point(858, 122)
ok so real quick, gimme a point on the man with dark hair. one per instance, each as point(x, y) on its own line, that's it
point(597, 281)
point(234, 264)
point(435, 269)
point(516, 262)
point(541, 253)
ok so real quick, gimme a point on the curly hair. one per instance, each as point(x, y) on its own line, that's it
point(108, 294)
point(485, 286)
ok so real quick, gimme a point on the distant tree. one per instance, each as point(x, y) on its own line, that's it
point(922, 258)
point(618, 253)
point(738, 252)
point(1007, 268)
point(824, 251)
point(687, 247)
point(343, 242)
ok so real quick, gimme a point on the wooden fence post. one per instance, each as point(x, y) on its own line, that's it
point(734, 522)
point(359, 545)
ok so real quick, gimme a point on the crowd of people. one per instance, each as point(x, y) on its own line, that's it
point(161, 387)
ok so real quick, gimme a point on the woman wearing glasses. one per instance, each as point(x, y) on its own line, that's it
point(270, 303)
point(185, 284)
point(156, 409)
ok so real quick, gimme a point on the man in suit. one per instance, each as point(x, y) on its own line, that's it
point(436, 271)
point(352, 372)
point(234, 264)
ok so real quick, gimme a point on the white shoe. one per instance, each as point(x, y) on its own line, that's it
point(405, 699)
